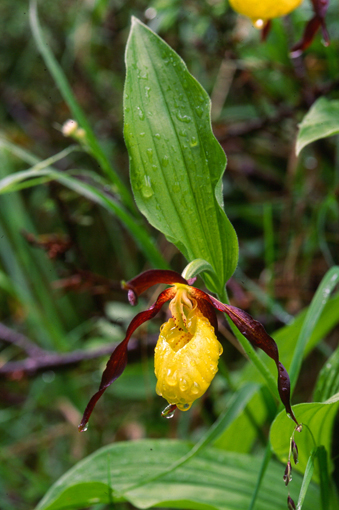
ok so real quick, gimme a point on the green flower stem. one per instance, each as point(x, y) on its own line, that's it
point(251, 353)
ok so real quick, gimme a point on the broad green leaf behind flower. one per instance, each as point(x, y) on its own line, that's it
point(211, 480)
point(319, 418)
point(321, 121)
point(176, 164)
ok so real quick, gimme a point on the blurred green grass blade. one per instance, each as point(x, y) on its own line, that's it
point(14, 181)
point(321, 120)
point(30, 272)
point(287, 336)
point(77, 112)
point(317, 418)
point(213, 480)
point(263, 469)
point(329, 205)
point(243, 431)
point(272, 305)
point(21, 153)
point(325, 488)
point(319, 300)
point(96, 195)
point(307, 478)
point(328, 380)
point(7, 285)
point(328, 498)
point(176, 163)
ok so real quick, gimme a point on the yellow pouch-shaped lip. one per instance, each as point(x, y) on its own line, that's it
point(186, 362)
point(264, 9)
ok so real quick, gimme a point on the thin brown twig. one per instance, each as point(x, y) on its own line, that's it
point(40, 360)
point(46, 360)
point(10, 336)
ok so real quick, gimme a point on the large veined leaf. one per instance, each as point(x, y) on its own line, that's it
point(213, 479)
point(321, 121)
point(317, 418)
point(176, 164)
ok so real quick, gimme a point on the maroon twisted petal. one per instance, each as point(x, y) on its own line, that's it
point(118, 360)
point(145, 280)
point(318, 21)
point(256, 334)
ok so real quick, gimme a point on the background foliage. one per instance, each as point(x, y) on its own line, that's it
point(284, 210)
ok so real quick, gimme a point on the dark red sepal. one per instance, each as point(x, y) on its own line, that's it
point(118, 360)
point(320, 8)
point(255, 332)
point(205, 306)
point(145, 280)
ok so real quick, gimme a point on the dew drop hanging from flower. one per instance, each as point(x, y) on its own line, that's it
point(187, 352)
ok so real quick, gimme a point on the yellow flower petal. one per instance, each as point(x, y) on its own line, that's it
point(186, 362)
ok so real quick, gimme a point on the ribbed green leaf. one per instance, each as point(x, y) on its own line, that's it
point(321, 121)
point(317, 418)
point(211, 480)
point(176, 164)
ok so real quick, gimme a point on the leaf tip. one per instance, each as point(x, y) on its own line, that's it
point(135, 22)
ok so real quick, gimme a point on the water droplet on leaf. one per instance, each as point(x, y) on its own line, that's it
point(183, 118)
point(165, 161)
point(146, 188)
point(199, 111)
point(140, 113)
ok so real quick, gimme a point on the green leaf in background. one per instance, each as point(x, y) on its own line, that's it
point(212, 480)
point(61, 81)
point(176, 163)
point(95, 193)
point(328, 379)
point(317, 418)
point(307, 329)
point(322, 120)
point(307, 478)
point(320, 298)
point(242, 432)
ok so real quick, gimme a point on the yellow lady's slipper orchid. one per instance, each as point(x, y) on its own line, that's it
point(261, 11)
point(187, 352)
